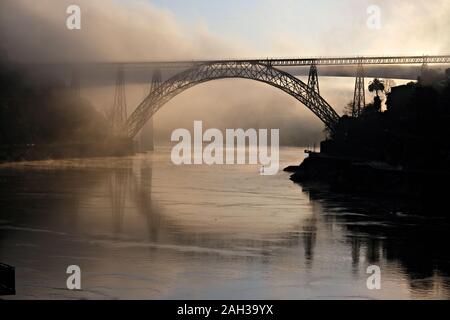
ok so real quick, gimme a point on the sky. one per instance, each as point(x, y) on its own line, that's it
point(326, 27)
point(202, 29)
point(260, 23)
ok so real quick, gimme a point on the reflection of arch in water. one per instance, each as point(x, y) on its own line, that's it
point(162, 227)
point(131, 192)
point(309, 236)
point(142, 193)
point(118, 186)
point(123, 182)
point(356, 252)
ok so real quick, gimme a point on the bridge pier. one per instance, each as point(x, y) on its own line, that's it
point(423, 70)
point(359, 97)
point(313, 78)
point(146, 137)
point(119, 109)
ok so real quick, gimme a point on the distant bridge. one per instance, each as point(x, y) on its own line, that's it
point(263, 70)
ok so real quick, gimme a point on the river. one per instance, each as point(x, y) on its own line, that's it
point(143, 228)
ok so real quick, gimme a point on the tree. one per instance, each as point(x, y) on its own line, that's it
point(377, 86)
point(388, 85)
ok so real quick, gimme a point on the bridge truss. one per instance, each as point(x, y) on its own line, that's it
point(293, 62)
point(348, 61)
point(261, 72)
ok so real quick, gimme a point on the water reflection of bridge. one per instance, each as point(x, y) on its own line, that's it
point(371, 239)
point(73, 203)
point(380, 230)
point(132, 188)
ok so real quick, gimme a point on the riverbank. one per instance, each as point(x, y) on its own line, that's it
point(363, 177)
point(32, 152)
point(402, 151)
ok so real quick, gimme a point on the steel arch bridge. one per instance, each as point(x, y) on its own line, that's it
point(205, 72)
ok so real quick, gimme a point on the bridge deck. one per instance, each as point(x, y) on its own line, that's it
point(276, 62)
point(295, 62)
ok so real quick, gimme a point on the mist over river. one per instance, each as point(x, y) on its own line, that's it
point(142, 228)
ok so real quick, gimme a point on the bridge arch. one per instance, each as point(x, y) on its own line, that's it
point(234, 69)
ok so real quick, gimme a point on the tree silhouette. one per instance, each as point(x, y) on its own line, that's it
point(376, 86)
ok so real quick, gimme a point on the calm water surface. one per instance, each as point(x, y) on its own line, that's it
point(142, 228)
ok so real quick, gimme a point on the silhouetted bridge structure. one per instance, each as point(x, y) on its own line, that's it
point(292, 62)
point(270, 71)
